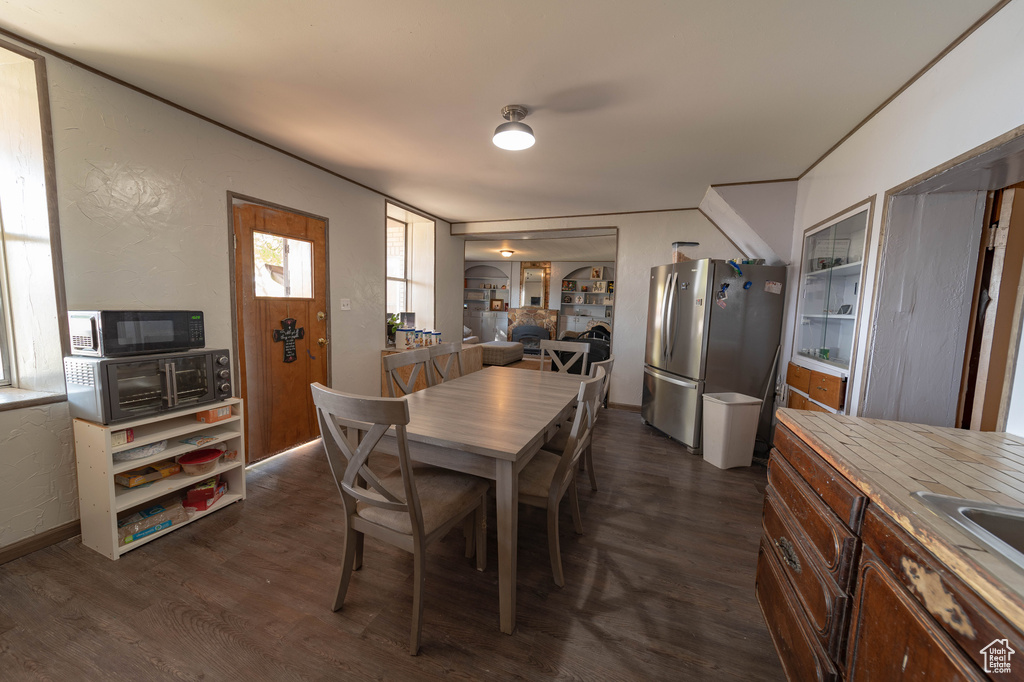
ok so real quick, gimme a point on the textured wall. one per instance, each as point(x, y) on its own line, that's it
point(142, 194)
point(645, 240)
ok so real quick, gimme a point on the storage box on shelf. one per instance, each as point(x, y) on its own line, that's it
point(102, 501)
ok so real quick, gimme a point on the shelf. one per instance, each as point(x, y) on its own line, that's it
point(177, 448)
point(830, 317)
point(126, 498)
point(840, 270)
point(837, 364)
point(151, 433)
point(154, 420)
point(224, 501)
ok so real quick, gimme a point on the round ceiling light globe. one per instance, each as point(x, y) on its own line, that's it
point(514, 136)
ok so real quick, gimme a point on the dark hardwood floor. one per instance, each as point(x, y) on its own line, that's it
point(661, 587)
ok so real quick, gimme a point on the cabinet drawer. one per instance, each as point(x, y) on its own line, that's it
point(796, 401)
point(828, 389)
point(814, 407)
point(839, 494)
point(824, 603)
point(801, 655)
point(836, 546)
point(955, 608)
point(798, 377)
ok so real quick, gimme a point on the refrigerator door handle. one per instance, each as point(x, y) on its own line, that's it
point(672, 307)
point(669, 379)
point(664, 313)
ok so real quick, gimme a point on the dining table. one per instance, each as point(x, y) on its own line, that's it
point(490, 423)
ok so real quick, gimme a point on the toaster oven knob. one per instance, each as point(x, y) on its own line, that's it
point(224, 374)
point(225, 388)
point(222, 360)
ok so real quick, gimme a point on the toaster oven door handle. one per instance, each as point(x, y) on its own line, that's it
point(171, 382)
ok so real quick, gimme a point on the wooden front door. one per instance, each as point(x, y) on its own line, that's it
point(281, 308)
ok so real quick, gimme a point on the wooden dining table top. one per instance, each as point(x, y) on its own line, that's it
point(498, 412)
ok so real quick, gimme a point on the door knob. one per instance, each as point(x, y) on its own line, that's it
point(321, 316)
point(322, 341)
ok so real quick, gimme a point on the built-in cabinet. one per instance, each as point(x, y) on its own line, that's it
point(587, 294)
point(102, 501)
point(849, 595)
point(832, 265)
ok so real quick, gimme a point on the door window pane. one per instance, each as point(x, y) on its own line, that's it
point(283, 267)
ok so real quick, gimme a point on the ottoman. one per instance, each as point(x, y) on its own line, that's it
point(502, 352)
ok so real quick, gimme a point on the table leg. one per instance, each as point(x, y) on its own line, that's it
point(506, 487)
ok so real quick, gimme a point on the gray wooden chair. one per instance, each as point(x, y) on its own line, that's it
point(408, 508)
point(393, 364)
point(557, 441)
point(547, 477)
point(577, 348)
point(446, 357)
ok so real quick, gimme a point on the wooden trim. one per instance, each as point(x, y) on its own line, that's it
point(207, 119)
point(752, 182)
point(913, 79)
point(969, 155)
point(40, 541)
point(581, 215)
point(518, 234)
point(727, 237)
point(624, 406)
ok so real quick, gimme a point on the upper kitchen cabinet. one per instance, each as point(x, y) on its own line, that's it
point(829, 299)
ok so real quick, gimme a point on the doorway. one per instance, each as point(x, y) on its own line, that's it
point(280, 282)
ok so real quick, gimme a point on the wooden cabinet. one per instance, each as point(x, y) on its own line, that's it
point(102, 502)
point(814, 390)
point(848, 594)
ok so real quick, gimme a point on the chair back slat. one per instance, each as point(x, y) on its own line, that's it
point(338, 412)
point(419, 360)
point(587, 401)
point(607, 366)
point(578, 349)
point(444, 365)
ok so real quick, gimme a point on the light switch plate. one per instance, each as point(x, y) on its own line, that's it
point(346, 303)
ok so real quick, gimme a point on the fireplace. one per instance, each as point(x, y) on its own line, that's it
point(530, 336)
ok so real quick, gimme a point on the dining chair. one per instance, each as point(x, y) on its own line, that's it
point(443, 366)
point(419, 360)
point(547, 477)
point(408, 508)
point(587, 461)
point(578, 350)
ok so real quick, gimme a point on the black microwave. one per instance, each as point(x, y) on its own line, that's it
point(111, 390)
point(117, 333)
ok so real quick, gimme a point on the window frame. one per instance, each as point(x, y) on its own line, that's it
point(404, 279)
point(6, 380)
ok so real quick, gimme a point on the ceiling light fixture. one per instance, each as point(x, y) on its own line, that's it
point(514, 135)
point(506, 253)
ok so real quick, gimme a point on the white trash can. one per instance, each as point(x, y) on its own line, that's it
point(730, 428)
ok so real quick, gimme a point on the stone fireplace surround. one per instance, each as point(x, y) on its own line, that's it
point(533, 317)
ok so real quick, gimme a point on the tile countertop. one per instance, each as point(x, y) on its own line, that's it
point(890, 460)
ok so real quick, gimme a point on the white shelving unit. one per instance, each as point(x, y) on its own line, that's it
point(101, 500)
point(583, 307)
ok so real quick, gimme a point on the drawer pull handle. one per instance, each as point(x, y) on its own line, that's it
point(788, 553)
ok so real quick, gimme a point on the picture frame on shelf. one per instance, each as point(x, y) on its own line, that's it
point(608, 300)
point(567, 299)
point(599, 287)
point(579, 299)
point(568, 285)
point(596, 272)
point(497, 304)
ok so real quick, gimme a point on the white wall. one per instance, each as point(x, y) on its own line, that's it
point(142, 193)
point(645, 240)
point(969, 97)
point(768, 207)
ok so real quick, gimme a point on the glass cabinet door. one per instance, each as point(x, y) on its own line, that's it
point(833, 259)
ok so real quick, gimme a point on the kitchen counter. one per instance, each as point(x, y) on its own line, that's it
point(889, 461)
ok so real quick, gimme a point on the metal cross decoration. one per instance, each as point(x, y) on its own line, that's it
point(288, 333)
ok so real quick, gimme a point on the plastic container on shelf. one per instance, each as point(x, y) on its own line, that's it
point(199, 462)
point(678, 251)
point(730, 428)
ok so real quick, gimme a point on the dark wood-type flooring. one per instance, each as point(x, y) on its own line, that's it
point(661, 587)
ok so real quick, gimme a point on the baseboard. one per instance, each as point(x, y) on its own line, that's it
point(39, 541)
point(623, 406)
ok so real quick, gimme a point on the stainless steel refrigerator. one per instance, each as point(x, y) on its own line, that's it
point(711, 327)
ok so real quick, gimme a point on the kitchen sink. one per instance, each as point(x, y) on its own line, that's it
point(998, 528)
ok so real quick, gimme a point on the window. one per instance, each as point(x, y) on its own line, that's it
point(283, 266)
point(397, 265)
point(409, 265)
point(33, 322)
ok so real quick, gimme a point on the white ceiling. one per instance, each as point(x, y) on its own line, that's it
point(636, 105)
point(583, 249)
